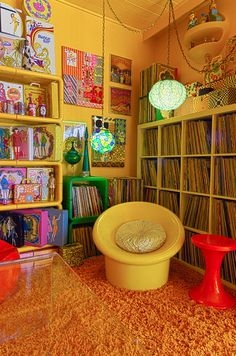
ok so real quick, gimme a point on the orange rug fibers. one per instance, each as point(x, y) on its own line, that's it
point(166, 320)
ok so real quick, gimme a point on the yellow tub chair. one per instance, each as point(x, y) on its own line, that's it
point(137, 271)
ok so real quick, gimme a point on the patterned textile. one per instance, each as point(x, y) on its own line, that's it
point(222, 97)
point(82, 75)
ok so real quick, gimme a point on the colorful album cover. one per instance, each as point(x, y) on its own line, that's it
point(57, 226)
point(8, 178)
point(11, 229)
point(5, 143)
point(40, 175)
point(35, 226)
point(40, 36)
point(47, 142)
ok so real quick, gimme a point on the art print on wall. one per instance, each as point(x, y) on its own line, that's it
point(120, 101)
point(115, 158)
point(82, 76)
point(120, 70)
point(73, 132)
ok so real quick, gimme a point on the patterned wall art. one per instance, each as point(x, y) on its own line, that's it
point(115, 158)
point(82, 75)
point(120, 70)
point(120, 101)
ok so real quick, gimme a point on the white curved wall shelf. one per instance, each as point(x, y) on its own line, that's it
point(206, 38)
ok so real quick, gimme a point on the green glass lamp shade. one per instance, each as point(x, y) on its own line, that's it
point(72, 156)
point(167, 94)
point(102, 141)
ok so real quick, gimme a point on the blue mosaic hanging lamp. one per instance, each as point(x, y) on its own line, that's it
point(102, 141)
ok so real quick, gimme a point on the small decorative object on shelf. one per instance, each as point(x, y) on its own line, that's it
point(204, 18)
point(31, 109)
point(214, 14)
point(51, 186)
point(193, 21)
point(5, 188)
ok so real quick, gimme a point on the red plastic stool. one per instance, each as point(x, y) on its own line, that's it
point(211, 292)
point(8, 274)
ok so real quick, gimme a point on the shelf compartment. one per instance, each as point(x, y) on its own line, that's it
point(197, 175)
point(196, 212)
point(198, 137)
point(171, 140)
point(170, 173)
point(170, 200)
point(225, 141)
point(149, 171)
point(150, 142)
point(224, 176)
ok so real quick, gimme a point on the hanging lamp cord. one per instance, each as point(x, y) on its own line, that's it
point(103, 51)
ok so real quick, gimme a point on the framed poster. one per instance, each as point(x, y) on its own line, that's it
point(82, 76)
point(120, 70)
point(73, 132)
point(120, 101)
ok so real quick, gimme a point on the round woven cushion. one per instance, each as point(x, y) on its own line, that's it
point(140, 236)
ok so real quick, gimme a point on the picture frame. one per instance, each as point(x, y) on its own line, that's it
point(120, 101)
point(120, 70)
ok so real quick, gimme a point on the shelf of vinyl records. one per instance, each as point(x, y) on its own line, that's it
point(188, 164)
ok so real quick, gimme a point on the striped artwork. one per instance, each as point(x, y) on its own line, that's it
point(82, 75)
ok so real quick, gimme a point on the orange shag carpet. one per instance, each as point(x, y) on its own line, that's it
point(166, 320)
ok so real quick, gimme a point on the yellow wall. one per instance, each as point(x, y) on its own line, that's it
point(76, 28)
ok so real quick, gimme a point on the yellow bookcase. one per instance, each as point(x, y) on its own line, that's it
point(188, 164)
point(54, 90)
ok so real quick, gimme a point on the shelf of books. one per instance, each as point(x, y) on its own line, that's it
point(85, 198)
point(31, 215)
point(188, 164)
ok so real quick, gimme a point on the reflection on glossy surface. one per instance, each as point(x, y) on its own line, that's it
point(52, 312)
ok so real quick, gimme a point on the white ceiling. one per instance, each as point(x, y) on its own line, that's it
point(139, 14)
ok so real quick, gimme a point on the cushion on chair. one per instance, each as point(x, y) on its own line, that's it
point(140, 236)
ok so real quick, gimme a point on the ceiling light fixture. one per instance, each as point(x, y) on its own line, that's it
point(168, 93)
point(102, 140)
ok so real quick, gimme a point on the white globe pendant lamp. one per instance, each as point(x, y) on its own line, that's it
point(168, 93)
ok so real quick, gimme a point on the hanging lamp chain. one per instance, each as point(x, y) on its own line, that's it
point(103, 51)
point(168, 38)
point(134, 29)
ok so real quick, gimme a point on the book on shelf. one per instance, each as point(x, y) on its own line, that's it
point(83, 235)
point(11, 228)
point(40, 175)
point(57, 226)
point(47, 142)
point(10, 176)
point(35, 226)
